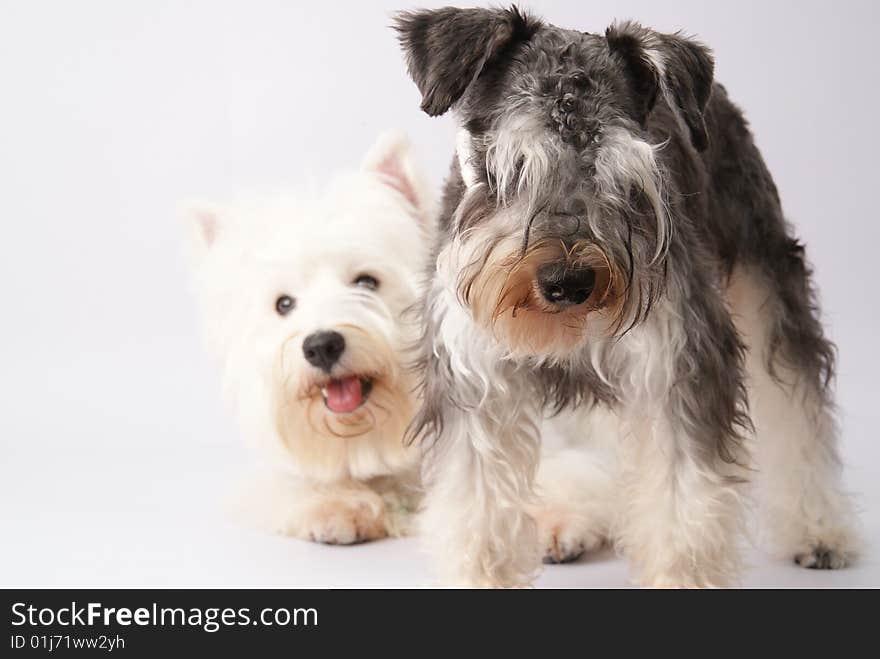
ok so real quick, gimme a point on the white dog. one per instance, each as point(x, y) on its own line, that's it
point(304, 303)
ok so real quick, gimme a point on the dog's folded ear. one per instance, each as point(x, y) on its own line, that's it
point(679, 68)
point(391, 159)
point(447, 49)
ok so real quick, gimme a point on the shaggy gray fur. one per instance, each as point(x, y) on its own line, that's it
point(724, 204)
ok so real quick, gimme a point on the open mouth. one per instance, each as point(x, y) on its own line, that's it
point(344, 395)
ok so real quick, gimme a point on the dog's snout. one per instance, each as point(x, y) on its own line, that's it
point(563, 285)
point(323, 349)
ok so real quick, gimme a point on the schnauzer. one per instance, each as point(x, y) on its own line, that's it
point(303, 302)
point(611, 239)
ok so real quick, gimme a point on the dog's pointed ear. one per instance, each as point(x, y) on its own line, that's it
point(679, 68)
point(203, 225)
point(447, 49)
point(391, 159)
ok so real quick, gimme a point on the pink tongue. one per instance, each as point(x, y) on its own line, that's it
point(344, 395)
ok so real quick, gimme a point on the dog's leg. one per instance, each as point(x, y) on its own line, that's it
point(682, 515)
point(576, 483)
point(344, 514)
point(402, 496)
point(480, 455)
point(685, 412)
point(804, 512)
point(480, 474)
point(341, 513)
point(576, 507)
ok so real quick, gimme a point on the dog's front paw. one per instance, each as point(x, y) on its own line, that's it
point(564, 536)
point(821, 557)
point(340, 523)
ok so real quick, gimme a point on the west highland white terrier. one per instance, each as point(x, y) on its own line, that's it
point(304, 302)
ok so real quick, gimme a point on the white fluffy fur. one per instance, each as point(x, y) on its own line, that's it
point(624, 163)
point(577, 483)
point(464, 152)
point(475, 520)
point(375, 221)
point(798, 484)
point(519, 153)
point(624, 478)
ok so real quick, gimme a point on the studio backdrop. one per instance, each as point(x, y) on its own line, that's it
point(116, 447)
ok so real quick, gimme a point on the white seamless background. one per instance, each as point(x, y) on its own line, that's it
point(115, 446)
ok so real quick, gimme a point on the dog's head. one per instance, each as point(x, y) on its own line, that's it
point(563, 228)
point(305, 301)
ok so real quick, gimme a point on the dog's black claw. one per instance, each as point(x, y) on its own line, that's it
point(550, 559)
point(560, 553)
point(821, 558)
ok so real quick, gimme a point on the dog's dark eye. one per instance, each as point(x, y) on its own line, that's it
point(366, 281)
point(581, 80)
point(284, 305)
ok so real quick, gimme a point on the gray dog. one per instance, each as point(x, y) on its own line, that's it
point(611, 239)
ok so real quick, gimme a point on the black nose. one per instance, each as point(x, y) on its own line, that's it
point(323, 349)
point(565, 286)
